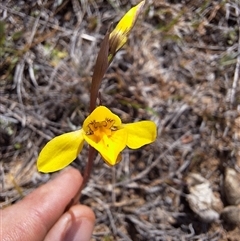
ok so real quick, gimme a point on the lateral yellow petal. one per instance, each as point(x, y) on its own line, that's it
point(109, 147)
point(119, 35)
point(60, 151)
point(140, 133)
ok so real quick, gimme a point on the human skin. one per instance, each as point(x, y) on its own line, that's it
point(40, 215)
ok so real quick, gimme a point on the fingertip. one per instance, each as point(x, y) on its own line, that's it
point(83, 220)
point(80, 211)
point(76, 224)
point(70, 171)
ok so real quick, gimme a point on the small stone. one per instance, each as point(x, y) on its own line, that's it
point(201, 198)
point(231, 215)
point(232, 186)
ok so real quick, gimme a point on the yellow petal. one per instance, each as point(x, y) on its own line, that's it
point(140, 133)
point(101, 113)
point(119, 35)
point(60, 151)
point(109, 147)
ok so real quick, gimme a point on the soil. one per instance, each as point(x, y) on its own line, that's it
point(179, 68)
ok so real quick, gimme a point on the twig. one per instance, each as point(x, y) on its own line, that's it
point(153, 164)
point(237, 68)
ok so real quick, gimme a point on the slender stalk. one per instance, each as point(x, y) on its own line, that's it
point(99, 71)
point(87, 172)
point(88, 169)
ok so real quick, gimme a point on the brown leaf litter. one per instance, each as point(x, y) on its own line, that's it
point(180, 69)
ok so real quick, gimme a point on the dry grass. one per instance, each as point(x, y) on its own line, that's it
point(180, 68)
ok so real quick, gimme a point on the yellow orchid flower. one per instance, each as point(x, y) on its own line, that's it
point(102, 130)
point(118, 37)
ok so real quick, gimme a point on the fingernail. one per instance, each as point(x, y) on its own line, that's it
point(79, 230)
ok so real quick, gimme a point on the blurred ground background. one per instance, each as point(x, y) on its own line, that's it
point(180, 68)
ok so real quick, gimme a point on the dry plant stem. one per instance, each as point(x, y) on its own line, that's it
point(87, 172)
point(236, 73)
point(88, 169)
point(99, 71)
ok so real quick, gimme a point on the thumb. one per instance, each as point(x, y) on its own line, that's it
point(75, 225)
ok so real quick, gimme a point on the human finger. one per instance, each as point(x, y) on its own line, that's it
point(32, 218)
point(76, 225)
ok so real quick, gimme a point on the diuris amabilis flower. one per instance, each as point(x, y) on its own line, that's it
point(104, 131)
